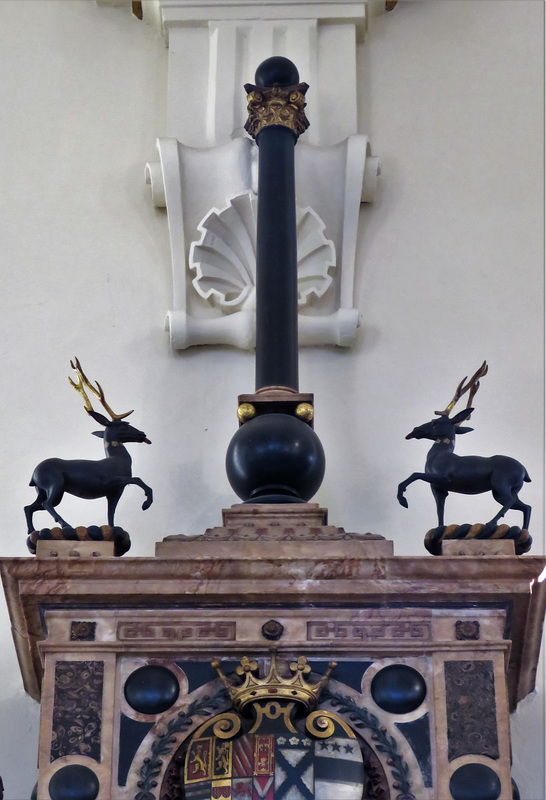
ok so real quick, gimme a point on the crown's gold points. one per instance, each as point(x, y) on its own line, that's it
point(273, 685)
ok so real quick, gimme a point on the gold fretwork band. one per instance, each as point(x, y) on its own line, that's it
point(276, 105)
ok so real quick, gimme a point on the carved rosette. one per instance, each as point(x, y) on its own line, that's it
point(276, 105)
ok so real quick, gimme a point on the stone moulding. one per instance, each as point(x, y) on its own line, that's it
point(302, 573)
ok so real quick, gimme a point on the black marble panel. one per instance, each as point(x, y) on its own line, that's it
point(200, 672)
point(131, 735)
point(348, 672)
point(471, 709)
point(77, 709)
point(417, 733)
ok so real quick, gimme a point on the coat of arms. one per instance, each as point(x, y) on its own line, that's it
point(274, 756)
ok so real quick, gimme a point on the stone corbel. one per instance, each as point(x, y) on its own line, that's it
point(212, 243)
point(206, 159)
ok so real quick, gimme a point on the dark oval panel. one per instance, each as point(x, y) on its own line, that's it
point(398, 689)
point(74, 782)
point(475, 782)
point(151, 689)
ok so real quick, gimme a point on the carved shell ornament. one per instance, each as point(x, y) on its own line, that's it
point(224, 258)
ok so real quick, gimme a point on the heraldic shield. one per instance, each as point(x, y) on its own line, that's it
point(278, 756)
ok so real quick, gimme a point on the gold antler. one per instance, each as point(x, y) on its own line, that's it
point(473, 385)
point(84, 381)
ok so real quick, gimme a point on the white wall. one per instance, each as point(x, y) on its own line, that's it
point(451, 272)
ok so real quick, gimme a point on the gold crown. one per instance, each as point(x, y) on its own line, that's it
point(273, 686)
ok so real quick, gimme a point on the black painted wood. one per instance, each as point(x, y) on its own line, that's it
point(276, 261)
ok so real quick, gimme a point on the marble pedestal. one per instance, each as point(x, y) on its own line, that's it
point(451, 642)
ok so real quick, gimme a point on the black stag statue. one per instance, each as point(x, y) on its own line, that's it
point(90, 479)
point(447, 472)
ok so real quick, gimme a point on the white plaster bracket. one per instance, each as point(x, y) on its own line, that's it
point(206, 159)
point(193, 184)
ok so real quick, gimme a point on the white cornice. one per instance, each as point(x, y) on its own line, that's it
point(168, 14)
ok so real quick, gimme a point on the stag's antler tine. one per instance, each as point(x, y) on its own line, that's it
point(479, 374)
point(457, 396)
point(98, 391)
point(473, 385)
point(100, 395)
point(79, 387)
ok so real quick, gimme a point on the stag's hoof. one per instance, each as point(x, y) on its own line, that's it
point(520, 536)
point(106, 533)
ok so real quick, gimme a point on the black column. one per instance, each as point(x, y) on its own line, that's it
point(276, 261)
point(275, 456)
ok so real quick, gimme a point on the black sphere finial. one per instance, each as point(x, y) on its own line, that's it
point(277, 70)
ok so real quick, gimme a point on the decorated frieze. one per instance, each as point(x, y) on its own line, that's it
point(347, 627)
point(159, 630)
point(369, 630)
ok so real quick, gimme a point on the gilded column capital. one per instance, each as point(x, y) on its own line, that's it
point(276, 105)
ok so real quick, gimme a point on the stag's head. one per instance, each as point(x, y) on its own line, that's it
point(116, 429)
point(446, 427)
